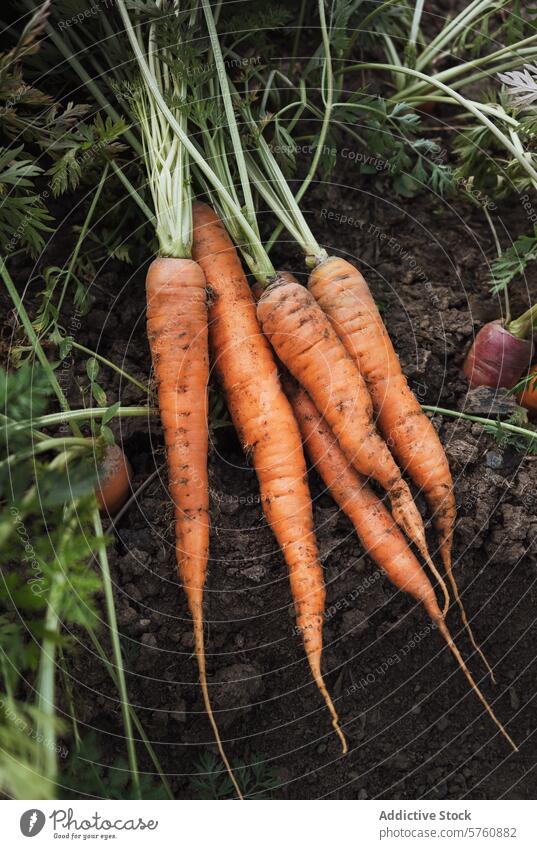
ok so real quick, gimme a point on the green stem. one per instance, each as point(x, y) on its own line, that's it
point(416, 21)
point(111, 365)
point(92, 87)
point(485, 108)
point(116, 650)
point(52, 419)
point(183, 136)
point(328, 98)
point(230, 115)
point(394, 59)
point(37, 347)
point(451, 30)
point(82, 236)
point(480, 62)
point(367, 20)
point(524, 55)
point(298, 31)
point(499, 253)
point(46, 725)
point(466, 104)
point(52, 444)
point(522, 325)
point(137, 198)
point(282, 200)
point(68, 689)
point(521, 431)
point(139, 727)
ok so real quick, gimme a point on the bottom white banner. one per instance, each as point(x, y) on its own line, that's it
point(476, 824)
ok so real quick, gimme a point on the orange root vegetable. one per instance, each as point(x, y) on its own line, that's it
point(115, 474)
point(266, 426)
point(380, 536)
point(178, 337)
point(528, 396)
point(343, 294)
point(308, 346)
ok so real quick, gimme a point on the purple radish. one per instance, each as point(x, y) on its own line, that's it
point(500, 353)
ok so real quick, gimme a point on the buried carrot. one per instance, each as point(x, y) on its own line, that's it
point(343, 294)
point(177, 328)
point(306, 343)
point(266, 426)
point(114, 479)
point(528, 396)
point(380, 536)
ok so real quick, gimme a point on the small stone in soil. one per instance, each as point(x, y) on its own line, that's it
point(494, 459)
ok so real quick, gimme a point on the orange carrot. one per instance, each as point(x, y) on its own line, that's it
point(115, 473)
point(375, 527)
point(266, 426)
point(528, 396)
point(306, 343)
point(344, 296)
point(178, 337)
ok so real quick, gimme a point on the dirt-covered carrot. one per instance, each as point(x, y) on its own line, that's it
point(345, 297)
point(380, 536)
point(177, 326)
point(115, 473)
point(528, 396)
point(266, 426)
point(308, 346)
point(178, 336)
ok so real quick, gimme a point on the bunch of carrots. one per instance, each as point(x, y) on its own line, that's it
point(302, 368)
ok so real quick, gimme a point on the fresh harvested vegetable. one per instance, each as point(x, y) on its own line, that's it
point(306, 343)
point(499, 355)
point(528, 396)
point(380, 536)
point(115, 474)
point(345, 297)
point(266, 426)
point(178, 337)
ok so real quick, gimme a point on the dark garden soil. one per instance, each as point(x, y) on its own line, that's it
point(414, 728)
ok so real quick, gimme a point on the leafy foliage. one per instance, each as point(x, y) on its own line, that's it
point(393, 146)
point(46, 509)
point(525, 443)
point(487, 165)
point(23, 216)
point(82, 150)
point(86, 774)
point(21, 749)
point(513, 262)
point(213, 782)
point(522, 85)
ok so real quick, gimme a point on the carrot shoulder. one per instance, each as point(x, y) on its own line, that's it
point(266, 426)
point(307, 344)
point(345, 298)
